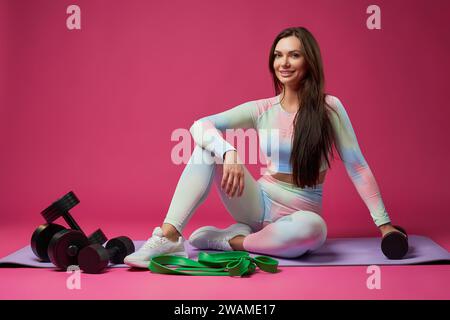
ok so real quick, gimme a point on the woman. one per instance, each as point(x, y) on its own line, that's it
point(280, 213)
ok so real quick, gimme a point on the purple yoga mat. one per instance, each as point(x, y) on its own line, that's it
point(335, 252)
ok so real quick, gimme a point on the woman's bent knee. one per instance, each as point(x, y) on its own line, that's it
point(314, 226)
point(301, 231)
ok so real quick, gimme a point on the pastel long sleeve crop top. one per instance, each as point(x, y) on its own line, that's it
point(268, 117)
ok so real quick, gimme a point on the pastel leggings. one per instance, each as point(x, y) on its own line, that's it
point(285, 219)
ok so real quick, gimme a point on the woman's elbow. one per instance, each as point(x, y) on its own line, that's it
point(200, 127)
point(193, 126)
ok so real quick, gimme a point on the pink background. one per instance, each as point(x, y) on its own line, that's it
point(92, 110)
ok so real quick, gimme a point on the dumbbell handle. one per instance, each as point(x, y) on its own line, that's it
point(71, 221)
point(74, 225)
point(101, 238)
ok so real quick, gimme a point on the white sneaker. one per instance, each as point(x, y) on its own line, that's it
point(155, 245)
point(209, 237)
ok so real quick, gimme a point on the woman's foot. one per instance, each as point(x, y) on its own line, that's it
point(157, 244)
point(210, 237)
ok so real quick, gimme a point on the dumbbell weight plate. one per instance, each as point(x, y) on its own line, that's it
point(93, 258)
point(41, 238)
point(65, 246)
point(64, 204)
point(124, 245)
point(394, 244)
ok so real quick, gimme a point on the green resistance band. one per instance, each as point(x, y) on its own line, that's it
point(233, 263)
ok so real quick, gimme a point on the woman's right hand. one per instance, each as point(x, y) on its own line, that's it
point(233, 174)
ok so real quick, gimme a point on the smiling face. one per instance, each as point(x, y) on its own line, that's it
point(289, 62)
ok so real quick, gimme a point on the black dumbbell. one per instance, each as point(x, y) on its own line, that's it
point(395, 244)
point(41, 237)
point(65, 246)
point(58, 244)
point(43, 234)
point(95, 258)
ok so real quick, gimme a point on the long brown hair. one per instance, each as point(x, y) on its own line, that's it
point(313, 135)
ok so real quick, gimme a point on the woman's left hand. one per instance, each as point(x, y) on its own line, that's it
point(386, 228)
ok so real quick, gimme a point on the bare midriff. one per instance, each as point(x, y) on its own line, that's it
point(287, 177)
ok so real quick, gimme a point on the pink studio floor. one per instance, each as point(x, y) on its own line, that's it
point(339, 282)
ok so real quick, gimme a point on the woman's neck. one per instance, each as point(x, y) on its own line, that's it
point(290, 100)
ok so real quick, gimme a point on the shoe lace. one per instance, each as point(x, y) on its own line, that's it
point(153, 242)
